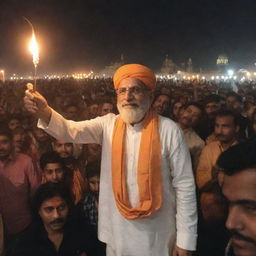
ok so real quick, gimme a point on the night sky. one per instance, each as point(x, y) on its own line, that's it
point(89, 34)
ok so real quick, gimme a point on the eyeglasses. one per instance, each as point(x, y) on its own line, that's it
point(136, 90)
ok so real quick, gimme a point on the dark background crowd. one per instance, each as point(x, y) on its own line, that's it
point(211, 114)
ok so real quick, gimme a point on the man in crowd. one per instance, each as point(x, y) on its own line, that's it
point(161, 104)
point(66, 152)
point(226, 131)
point(212, 106)
point(18, 181)
point(52, 167)
point(235, 103)
point(53, 230)
point(188, 118)
point(148, 202)
point(238, 183)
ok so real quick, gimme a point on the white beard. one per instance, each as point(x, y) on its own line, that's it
point(133, 115)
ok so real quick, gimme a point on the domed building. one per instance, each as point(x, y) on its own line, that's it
point(168, 67)
point(222, 63)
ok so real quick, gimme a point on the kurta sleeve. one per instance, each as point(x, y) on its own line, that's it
point(184, 185)
point(90, 131)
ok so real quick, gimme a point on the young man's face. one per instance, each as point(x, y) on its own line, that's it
point(5, 147)
point(94, 184)
point(225, 128)
point(190, 116)
point(161, 104)
point(53, 172)
point(63, 149)
point(240, 192)
point(53, 213)
point(106, 108)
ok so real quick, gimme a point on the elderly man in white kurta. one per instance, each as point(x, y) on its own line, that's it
point(147, 203)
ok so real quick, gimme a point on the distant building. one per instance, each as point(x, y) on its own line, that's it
point(189, 67)
point(222, 63)
point(168, 67)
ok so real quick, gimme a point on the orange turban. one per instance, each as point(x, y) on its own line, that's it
point(142, 73)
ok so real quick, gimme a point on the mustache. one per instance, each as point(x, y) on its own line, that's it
point(238, 236)
point(57, 221)
point(130, 104)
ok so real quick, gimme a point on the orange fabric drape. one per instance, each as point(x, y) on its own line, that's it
point(148, 173)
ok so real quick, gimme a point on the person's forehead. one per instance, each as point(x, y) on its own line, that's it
point(94, 178)
point(130, 82)
point(224, 119)
point(240, 186)
point(194, 109)
point(52, 165)
point(212, 103)
point(163, 97)
point(53, 202)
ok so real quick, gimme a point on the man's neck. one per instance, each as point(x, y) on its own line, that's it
point(56, 237)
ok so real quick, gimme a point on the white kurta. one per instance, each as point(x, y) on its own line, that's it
point(177, 217)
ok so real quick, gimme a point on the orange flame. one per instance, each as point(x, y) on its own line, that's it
point(34, 49)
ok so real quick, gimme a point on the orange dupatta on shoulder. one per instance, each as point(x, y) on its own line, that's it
point(148, 173)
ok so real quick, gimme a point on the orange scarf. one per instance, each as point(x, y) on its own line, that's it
point(148, 173)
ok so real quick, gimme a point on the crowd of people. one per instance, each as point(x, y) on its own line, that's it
point(48, 183)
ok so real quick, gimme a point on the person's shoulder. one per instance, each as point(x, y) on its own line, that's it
point(168, 123)
point(212, 146)
point(23, 157)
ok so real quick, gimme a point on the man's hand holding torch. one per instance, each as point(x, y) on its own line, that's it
point(36, 104)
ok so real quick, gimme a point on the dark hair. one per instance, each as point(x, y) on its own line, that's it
point(238, 158)
point(50, 157)
point(196, 104)
point(93, 169)
point(14, 117)
point(237, 96)
point(47, 191)
point(231, 113)
point(212, 98)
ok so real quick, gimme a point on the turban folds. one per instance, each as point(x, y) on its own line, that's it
point(140, 72)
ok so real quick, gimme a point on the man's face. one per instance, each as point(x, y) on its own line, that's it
point(106, 108)
point(161, 104)
point(225, 128)
point(53, 213)
point(63, 149)
point(53, 172)
point(71, 113)
point(94, 184)
point(190, 116)
point(176, 109)
point(240, 192)
point(212, 108)
point(13, 124)
point(40, 135)
point(133, 100)
point(5, 147)
point(233, 104)
point(93, 109)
